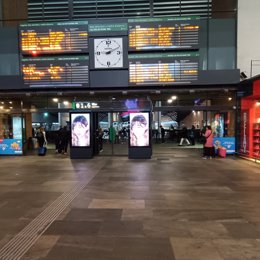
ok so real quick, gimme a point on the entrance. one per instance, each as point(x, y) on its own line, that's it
point(112, 133)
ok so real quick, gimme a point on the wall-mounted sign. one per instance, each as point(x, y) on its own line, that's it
point(163, 33)
point(163, 68)
point(67, 71)
point(54, 38)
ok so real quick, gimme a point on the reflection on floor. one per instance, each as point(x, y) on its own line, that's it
point(173, 206)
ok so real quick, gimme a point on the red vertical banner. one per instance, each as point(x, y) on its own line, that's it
point(244, 142)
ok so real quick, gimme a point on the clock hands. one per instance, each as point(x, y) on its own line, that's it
point(112, 50)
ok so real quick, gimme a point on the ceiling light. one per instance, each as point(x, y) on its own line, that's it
point(65, 103)
point(169, 101)
point(55, 100)
point(230, 98)
point(174, 97)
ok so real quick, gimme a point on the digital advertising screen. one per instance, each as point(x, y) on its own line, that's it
point(164, 33)
point(54, 38)
point(139, 129)
point(163, 68)
point(218, 125)
point(17, 127)
point(64, 71)
point(80, 129)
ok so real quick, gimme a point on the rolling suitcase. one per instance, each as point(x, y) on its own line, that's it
point(222, 152)
point(42, 151)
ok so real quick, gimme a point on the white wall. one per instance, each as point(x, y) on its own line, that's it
point(248, 41)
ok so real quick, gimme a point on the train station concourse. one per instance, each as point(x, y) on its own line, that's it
point(129, 130)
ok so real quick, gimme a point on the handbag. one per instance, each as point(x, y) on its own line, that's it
point(203, 140)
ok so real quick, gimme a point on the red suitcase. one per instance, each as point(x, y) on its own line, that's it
point(222, 152)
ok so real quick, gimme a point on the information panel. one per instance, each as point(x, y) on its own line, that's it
point(162, 69)
point(54, 38)
point(164, 33)
point(69, 71)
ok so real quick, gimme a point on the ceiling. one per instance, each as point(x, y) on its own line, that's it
point(185, 97)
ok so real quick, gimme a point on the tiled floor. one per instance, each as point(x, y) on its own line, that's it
point(174, 206)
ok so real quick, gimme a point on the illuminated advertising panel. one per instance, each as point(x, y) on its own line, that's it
point(54, 38)
point(139, 129)
point(163, 68)
point(11, 146)
point(164, 33)
point(80, 129)
point(64, 71)
point(244, 142)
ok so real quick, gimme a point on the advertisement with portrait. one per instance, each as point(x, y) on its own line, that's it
point(139, 129)
point(80, 129)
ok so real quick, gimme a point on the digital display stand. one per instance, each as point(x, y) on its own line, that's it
point(81, 142)
point(140, 136)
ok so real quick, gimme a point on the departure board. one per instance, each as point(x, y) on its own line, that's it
point(164, 33)
point(54, 38)
point(68, 71)
point(163, 68)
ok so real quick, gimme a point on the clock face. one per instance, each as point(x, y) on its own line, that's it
point(108, 53)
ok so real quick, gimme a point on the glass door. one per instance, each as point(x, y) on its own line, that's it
point(114, 129)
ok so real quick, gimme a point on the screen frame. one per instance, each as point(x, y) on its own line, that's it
point(88, 117)
point(147, 115)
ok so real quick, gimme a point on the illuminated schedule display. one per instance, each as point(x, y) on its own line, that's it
point(65, 71)
point(164, 33)
point(163, 68)
point(54, 38)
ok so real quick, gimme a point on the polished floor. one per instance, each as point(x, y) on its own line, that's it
point(173, 206)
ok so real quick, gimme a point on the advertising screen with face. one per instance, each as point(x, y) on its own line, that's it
point(80, 129)
point(139, 129)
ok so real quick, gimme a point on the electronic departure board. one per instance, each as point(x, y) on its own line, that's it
point(164, 33)
point(54, 38)
point(163, 68)
point(68, 71)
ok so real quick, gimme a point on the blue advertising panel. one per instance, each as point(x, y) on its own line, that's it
point(226, 142)
point(11, 146)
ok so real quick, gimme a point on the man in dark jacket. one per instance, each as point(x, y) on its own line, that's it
point(184, 135)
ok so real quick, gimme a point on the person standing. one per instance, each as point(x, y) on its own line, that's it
point(65, 137)
point(162, 133)
point(208, 148)
point(41, 137)
point(192, 135)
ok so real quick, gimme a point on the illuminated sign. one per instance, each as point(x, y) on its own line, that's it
point(139, 129)
point(163, 68)
point(163, 33)
point(107, 27)
point(53, 38)
point(11, 147)
point(80, 129)
point(69, 71)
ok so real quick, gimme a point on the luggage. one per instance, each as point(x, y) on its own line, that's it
point(222, 152)
point(42, 151)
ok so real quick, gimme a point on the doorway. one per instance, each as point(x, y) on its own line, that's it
point(114, 127)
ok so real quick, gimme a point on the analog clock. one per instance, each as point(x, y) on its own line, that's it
point(108, 53)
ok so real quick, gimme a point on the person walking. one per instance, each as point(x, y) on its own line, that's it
point(184, 136)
